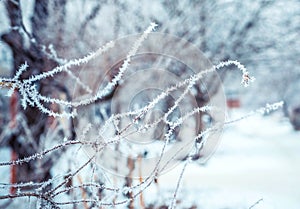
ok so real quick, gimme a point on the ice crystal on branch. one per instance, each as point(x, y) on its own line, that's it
point(31, 96)
point(246, 78)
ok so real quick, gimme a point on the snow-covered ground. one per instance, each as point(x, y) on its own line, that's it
point(258, 158)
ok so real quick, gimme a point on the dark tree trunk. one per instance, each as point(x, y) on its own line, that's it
point(38, 62)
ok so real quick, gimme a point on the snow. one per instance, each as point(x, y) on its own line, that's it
point(258, 158)
point(4, 171)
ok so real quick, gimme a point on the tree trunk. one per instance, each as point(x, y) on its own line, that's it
point(38, 62)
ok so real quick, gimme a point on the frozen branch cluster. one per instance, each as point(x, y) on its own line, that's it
point(96, 189)
point(31, 96)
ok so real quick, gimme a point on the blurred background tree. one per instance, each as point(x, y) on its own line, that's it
point(261, 34)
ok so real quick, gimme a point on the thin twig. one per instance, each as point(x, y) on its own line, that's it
point(256, 203)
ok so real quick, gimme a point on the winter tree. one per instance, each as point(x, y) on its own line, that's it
point(80, 87)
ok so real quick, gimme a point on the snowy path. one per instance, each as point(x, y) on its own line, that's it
point(257, 158)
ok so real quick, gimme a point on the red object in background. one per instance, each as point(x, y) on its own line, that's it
point(232, 99)
point(13, 110)
point(233, 103)
point(13, 172)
